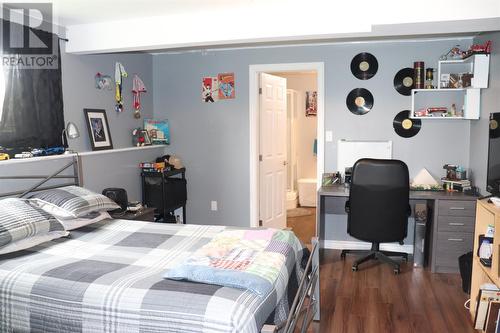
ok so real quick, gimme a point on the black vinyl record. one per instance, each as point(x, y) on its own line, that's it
point(364, 66)
point(405, 126)
point(494, 125)
point(404, 82)
point(359, 101)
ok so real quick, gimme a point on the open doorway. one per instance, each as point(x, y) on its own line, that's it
point(286, 131)
point(301, 151)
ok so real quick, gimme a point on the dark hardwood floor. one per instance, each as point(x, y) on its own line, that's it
point(375, 300)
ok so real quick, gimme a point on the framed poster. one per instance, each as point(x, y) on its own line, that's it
point(210, 89)
point(98, 127)
point(226, 85)
point(311, 103)
point(158, 131)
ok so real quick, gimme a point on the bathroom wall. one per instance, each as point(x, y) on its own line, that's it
point(306, 127)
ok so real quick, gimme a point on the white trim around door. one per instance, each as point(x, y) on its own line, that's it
point(254, 71)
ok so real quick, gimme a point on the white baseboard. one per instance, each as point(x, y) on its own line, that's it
point(358, 245)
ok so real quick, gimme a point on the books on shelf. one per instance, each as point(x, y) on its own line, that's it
point(492, 317)
point(488, 293)
point(456, 185)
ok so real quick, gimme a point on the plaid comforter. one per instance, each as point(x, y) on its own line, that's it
point(108, 278)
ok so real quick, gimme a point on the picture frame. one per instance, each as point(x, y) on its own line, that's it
point(158, 131)
point(147, 139)
point(98, 127)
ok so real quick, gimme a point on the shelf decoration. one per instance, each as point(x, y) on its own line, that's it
point(158, 131)
point(98, 127)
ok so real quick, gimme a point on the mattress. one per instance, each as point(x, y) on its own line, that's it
point(107, 277)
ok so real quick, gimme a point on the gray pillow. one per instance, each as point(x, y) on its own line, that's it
point(19, 220)
point(71, 202)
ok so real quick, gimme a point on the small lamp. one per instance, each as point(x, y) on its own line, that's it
point(70, 132)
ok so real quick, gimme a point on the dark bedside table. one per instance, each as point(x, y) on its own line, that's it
point(144, 214)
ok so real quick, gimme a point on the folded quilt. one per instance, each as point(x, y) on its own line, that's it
point(255, 260)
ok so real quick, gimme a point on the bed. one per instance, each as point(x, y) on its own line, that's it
point(108, 277)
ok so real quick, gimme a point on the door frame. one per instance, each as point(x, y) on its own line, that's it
point(254, 71)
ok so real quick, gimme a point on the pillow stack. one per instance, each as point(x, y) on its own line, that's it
point(23, 225)
point(72, 202)
point(49, 214)
point(74, 206)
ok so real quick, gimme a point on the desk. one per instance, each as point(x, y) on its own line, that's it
point(452, 223)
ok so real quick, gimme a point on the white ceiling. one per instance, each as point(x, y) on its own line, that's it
point(97, 26)
point(75, 12)
point(71, 12)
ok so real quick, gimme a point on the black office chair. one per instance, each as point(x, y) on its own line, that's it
point(378, 208)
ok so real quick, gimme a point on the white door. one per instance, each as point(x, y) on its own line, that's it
point(272, 157)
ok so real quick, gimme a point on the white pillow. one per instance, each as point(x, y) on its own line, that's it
point(26, 243)
point(72, 224)
point(71, 202)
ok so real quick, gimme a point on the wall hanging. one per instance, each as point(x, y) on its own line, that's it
point(98, 127)
point(209, 89)
point(103, 82)
point(403, 81)
point(120, 74)
point(364, 66)
point(138, 88)
point(311, 103)
point(226, 86)
point(359, 101)
point(404, 126)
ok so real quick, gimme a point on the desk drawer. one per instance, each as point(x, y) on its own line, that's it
point(335, 205)
point(457, 208)
point(451, 245)
point(456, 223)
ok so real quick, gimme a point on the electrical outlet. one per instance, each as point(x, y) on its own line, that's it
point(329, 136)
point(213, 205)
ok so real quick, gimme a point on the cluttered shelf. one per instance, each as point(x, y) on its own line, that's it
point(485, 281)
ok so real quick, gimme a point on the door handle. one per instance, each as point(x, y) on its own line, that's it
point(455, 239)
point(456, 223)
point(457, 208)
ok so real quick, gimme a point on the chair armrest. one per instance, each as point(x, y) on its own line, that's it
point(347, 206)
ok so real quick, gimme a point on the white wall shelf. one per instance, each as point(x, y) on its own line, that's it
point(477, 64)
point(468, 98)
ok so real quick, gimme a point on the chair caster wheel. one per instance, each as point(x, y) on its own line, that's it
point(354, 268)
point(342, 256)
point(396, 271)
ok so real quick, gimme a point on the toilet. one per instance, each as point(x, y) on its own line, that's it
point(291, 199)
point(307, 192)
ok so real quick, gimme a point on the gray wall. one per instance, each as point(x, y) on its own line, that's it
point(101, 170)
point(79, 92)
point(112, 169)
point(490, 102)
point(213, 139)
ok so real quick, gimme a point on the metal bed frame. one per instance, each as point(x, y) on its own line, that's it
point(304, 306)
point(304, 303)
point(75, 163)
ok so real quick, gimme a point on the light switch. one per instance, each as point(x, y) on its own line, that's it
point(213, 205)
point(328, 136)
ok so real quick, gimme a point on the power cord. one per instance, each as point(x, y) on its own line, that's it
point(467, 304)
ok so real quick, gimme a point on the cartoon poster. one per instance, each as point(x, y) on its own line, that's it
point(311, 103)
point(226, 86)
point(209, 89)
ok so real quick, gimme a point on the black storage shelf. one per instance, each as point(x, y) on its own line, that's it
point(165, 191)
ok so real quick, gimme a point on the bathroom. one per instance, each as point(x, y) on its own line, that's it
point(301, 144)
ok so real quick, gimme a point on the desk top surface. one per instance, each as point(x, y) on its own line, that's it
point(343, 191)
